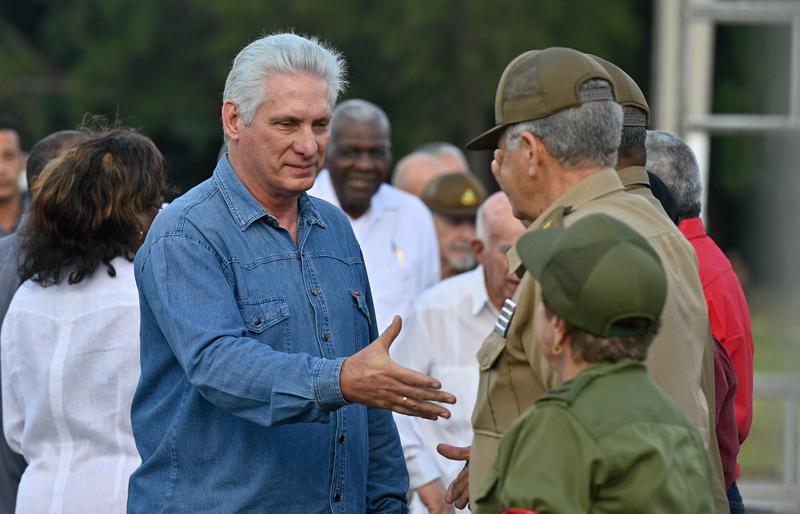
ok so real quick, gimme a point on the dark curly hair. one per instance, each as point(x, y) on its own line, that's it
point(91, 205)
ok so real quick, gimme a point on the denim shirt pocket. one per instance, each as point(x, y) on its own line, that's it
point(362, 320)
point(266, 321)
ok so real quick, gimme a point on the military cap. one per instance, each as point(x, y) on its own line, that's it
point(454, 194)
point(628, 94)
point(598, 275)
point(539, 83)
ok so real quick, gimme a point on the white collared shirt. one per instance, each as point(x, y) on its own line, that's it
point(69, 370)
point(447, 326)
point(398, 240)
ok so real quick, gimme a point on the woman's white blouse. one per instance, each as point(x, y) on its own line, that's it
point(70, 364)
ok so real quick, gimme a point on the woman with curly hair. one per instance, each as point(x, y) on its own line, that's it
point(70, 340)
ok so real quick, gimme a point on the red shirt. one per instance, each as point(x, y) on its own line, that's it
point(728, 313)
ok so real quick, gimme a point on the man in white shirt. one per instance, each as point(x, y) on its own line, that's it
point(441, 336)
point(395, 229)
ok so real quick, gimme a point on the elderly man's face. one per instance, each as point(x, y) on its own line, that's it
point(284, 145)
point(503, 231)
point(11, 163)
point(358, 162)
point(511, 169)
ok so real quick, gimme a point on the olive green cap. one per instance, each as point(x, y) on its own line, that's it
point(628, 94)
point(539, 83)
point(597, 274)
point(454, 194)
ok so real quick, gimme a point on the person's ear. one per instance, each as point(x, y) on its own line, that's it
point(559, 330)
point(532, 145)
point(230, 119)
point(477, 246)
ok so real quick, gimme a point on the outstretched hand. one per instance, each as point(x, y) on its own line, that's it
point(372, 378)
point(458, 492)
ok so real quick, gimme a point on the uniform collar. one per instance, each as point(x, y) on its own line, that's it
point(634, 177)
point(571, 389)
point(596, 185)
point(244, 207)
point(692, 228)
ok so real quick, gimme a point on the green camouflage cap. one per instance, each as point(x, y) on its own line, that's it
point(539, 83)
point(454, 194)
point(628, 94)
point(597, 274)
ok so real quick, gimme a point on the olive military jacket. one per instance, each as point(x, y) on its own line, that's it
point(514, 373)
point(581, 449)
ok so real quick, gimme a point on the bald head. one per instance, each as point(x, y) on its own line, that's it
point(496, 217)
point(449, 154)
point(415, 171)
point(496, 232)
point(360, 112)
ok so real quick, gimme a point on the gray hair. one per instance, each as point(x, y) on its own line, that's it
point(283, 53)
point(437, 148)
point(671, 160)
point(360, 111)
point(579, 136)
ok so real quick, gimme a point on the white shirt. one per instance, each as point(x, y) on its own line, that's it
point(69, 370)
point(447, 326)
point(398, 240)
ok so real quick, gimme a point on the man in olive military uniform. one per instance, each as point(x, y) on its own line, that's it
point(454, 198)
point(632, 153)
point(556, 139)
point(580, 449)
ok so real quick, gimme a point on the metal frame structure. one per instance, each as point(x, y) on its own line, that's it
point(683, 72)
point(683, 80)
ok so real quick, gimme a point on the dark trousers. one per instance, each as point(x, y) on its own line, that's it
point(735, 499)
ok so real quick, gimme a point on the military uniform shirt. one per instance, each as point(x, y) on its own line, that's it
point(580, 449)
point(514, 373)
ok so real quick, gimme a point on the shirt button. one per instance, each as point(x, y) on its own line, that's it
point(257, 320)
point(341, 439)
point(315, 291)
point(326, 336)
point(337, 497)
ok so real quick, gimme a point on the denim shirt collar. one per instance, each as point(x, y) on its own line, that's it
point(244, 207)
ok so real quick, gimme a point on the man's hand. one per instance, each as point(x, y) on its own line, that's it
point(432, 496)
point(372, 378)
point(458, 492)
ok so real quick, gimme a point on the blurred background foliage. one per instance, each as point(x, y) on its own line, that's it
point(160, 65)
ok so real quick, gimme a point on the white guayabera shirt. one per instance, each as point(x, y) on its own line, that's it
point(70, 364)
point(441, 336)
point(398, 240)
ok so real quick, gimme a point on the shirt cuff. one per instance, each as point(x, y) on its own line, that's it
point(326, 383)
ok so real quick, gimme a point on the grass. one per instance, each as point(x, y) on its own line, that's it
point(776, 337)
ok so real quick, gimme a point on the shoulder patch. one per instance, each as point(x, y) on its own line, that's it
point(556, 218)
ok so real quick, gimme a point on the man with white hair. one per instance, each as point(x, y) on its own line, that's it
point(445, 329)
point(260, 390)
point(558, 128)
point(671, 159)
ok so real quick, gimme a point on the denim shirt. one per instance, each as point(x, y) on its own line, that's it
point(243, 335)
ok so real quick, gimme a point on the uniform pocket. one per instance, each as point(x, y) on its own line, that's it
point(490, 351)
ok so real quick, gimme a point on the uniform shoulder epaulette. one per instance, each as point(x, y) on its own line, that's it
point(556, 218)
